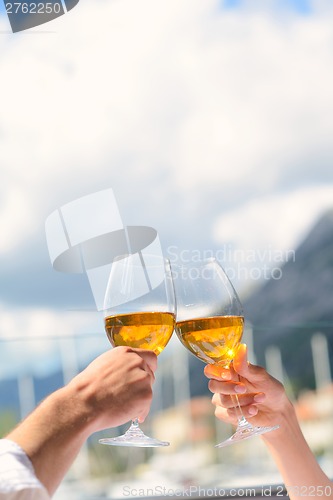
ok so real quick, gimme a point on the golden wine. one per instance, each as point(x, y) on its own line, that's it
point(147, 330)
point(212, 339)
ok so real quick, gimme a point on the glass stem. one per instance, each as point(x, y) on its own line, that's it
point(135, 422)
point(242, 422)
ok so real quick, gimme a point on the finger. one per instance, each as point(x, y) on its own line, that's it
point(224, 401)
point(146, 368)
point(143, 414)
point(226, 387)
point(149, 357)
point(259, 397)
point(227, 416)
point(231, 414)
point(217, 372)
point(240, 363)
point(245, 369)
point(233, 374)
point(227, 401)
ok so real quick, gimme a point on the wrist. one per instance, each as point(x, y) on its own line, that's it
point(52, 435)
point(287, 422)
point(61, 416)
point(74, 405)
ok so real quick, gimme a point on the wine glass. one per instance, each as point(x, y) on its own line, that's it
point(139, 311)
point(210, 324)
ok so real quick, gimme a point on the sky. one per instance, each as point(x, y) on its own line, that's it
point(211, 121)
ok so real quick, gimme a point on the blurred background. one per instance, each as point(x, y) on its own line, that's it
point(212, 121)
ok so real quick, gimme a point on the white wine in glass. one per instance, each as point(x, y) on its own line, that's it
point(213, 338)
point(139, 311)
point(145, 330)
point(210, 324)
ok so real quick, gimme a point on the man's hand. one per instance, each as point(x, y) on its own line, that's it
point(116, 387)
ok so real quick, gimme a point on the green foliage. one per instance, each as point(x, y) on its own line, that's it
point(8, 420)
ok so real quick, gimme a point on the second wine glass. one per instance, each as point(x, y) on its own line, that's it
point(210, 324)
point(139, 312)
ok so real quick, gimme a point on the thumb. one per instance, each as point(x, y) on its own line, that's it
point(240, 362)
point(245, 369)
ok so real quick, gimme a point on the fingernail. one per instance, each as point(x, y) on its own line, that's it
point(240, 389)
point(253, 410)
point(259, 398)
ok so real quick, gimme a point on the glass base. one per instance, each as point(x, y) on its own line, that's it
point(134, 437)
point(245, 432)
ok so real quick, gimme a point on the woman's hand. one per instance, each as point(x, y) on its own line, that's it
point(260, 395)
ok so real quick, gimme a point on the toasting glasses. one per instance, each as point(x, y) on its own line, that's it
point(210, 324)
point(139, 312)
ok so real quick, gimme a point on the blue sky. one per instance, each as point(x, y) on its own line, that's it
point(211, 125)
point(301, 6)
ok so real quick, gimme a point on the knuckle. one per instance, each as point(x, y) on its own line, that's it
point(214, 385)
point(123, 349)
point(140, 362)
point(215, 399)
point(137, 362)
point(259, 370)
point(225, 400)
point(144, 379)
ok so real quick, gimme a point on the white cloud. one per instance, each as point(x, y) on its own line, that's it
point(277, 223)
point(256, 238)
point(238, 103)
point(37, 323)
point(230, 98)
point(42, 340)
point(17, 217)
